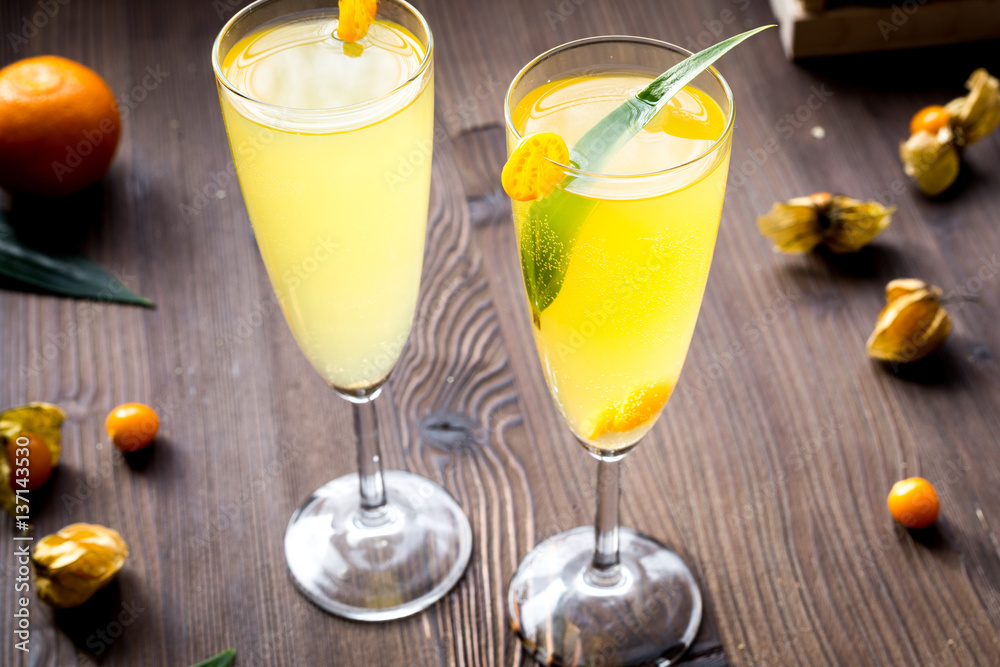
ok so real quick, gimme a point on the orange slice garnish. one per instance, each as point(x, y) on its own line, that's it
point(641, 406)
point(356, 17)
point(528, 175)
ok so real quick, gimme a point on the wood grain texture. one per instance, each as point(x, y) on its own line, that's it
point(768, 471)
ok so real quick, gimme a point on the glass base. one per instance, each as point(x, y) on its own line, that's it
point(564, 616)
point(376, 566)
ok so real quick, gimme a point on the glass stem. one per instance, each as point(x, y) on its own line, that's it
point(604, 569)
point(369, 461)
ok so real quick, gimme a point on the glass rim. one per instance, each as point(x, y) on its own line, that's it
point(570, 170)
point(221, 78)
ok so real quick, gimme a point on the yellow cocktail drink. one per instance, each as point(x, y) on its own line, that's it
point(618, 149)
point(613, 340)
point(338, 198)
point(329, 107)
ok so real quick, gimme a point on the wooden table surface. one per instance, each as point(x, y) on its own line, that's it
point(768, 471)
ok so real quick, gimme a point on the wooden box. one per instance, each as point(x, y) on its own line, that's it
point(833, 27)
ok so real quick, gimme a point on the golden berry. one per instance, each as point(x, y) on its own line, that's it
point(929, 119)
point(30, 461)
point(913, 502)
point(132, 426)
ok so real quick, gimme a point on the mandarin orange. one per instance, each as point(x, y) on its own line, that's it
point(59, 126)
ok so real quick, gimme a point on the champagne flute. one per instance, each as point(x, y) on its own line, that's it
point(615, 265)
point(318, 129)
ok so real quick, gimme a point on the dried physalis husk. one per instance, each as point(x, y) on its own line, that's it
point(931, 160)
point(44, 420)
point(977, 114)
point(76, 562)
point(840, 223)
point(912, 325)
point(932, 157)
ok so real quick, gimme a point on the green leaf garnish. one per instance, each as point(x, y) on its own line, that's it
point(223, 659)
point(64, 274)
point(550, 229)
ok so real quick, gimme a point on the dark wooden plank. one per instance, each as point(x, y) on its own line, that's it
point(768, 471)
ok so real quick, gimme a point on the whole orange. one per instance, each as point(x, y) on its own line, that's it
point(59, 126)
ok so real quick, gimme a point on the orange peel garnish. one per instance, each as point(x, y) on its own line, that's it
point(356, 17)
point(642, 405)
point(528, 175)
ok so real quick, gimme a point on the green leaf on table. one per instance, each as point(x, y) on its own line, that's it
point(63, 274)
point(550, 229)
point(223, 659)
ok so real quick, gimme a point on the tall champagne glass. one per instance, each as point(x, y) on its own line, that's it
point(615, 265)
point(332, 146)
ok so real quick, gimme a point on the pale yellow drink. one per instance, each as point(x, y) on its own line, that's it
point(613, 341)
point(338, 195)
